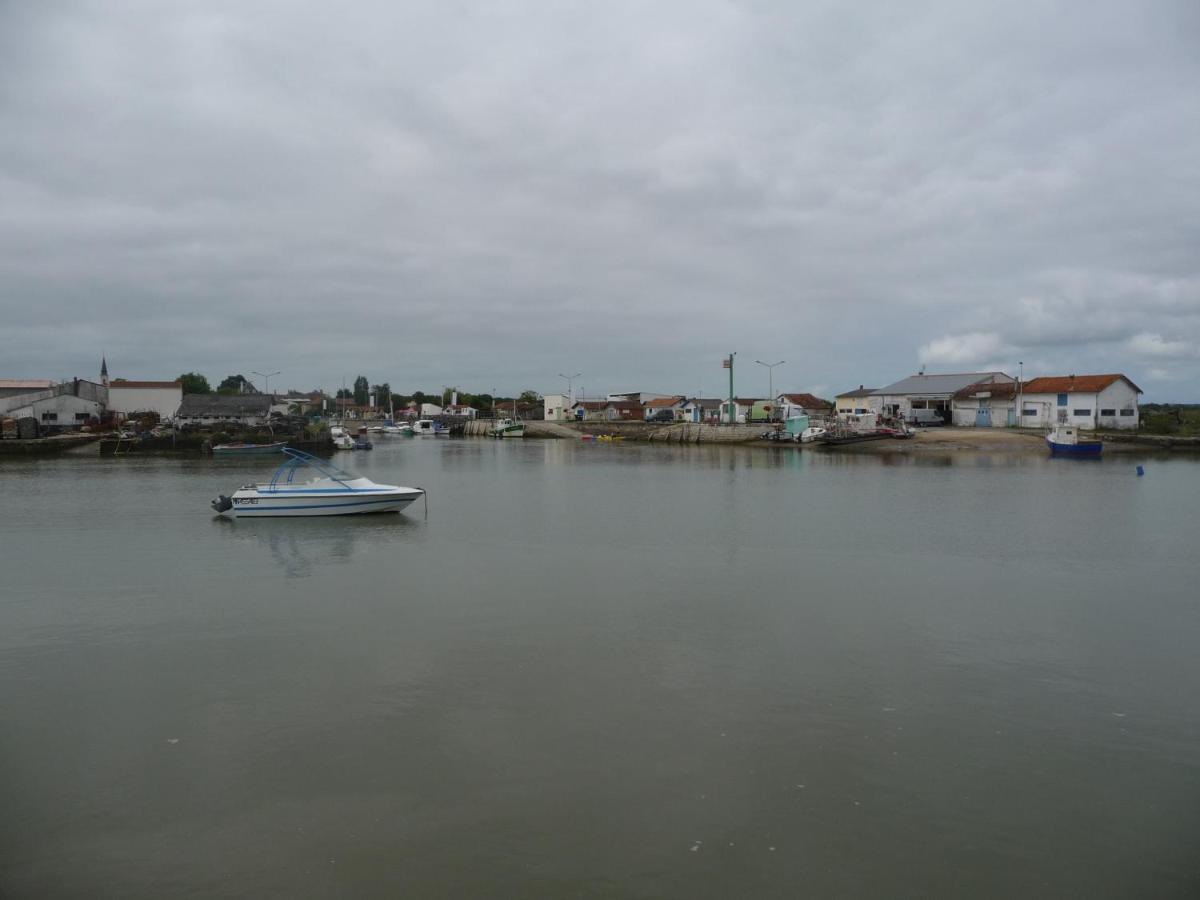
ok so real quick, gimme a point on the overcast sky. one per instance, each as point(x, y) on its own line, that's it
point(489, 194)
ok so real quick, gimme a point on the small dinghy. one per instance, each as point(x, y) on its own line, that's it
point(329, 492)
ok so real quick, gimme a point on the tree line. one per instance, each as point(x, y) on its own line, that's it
point(362, 392)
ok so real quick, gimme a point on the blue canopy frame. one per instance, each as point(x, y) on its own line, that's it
point(297, 459)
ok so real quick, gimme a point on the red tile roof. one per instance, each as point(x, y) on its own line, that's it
point(33, 384)
point(1074, 384)
point(996, 389)
point(663, 402)
point(144, 384)
point(808, 401)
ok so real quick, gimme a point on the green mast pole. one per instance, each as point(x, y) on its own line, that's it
point(732, 407)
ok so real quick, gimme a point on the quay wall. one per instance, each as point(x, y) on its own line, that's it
point(46, 445)
point(676, 433)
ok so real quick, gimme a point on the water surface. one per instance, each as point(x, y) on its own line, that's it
point(609, 671)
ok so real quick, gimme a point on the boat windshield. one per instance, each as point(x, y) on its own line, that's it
point(298, 460)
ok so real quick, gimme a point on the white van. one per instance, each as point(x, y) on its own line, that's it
point(925, 418)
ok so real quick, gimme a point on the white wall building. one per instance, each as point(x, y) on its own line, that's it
point(1086, 401)
point(210, 409)
point(702, 409)
point(988, 405)
point(857, 402)
point(556, 407)
point(430, 409)
point(929, 392)
point(162, 397)
point(743, 409)
point(64, 411)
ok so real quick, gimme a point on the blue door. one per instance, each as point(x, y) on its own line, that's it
point(983, 417)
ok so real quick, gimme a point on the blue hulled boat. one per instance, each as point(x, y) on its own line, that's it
point(1064, 440)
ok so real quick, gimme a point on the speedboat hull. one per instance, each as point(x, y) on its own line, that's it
point(258, 504)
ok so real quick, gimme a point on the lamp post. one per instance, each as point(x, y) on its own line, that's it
point(266, 377)
point(570, 387)
point(570, 384)
point(770, 367)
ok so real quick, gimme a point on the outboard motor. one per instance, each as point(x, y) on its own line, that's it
point(222, 504)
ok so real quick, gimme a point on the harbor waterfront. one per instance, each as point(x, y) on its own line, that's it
point(604, 670)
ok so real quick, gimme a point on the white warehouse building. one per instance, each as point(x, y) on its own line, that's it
point(162, 397)
point(1085, 401)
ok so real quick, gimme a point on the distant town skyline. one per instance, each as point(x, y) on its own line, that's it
point(488, 196)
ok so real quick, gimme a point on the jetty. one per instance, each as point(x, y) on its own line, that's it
point(668, 433)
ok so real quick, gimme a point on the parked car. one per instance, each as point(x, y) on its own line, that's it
point(926, 418)
point(662, 415)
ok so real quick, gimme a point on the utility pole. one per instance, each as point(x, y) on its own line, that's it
point(770, 367)
point(732, 406)
point(1020, 391)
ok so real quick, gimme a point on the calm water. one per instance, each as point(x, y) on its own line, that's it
point(604, 671)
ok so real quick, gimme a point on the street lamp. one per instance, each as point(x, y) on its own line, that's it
point(266, 377)
point(770, 367)
point(570, 386)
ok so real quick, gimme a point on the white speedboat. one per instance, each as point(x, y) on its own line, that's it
point(329, 492)
point(405, 429)
point(810, 434)
point(429, 428)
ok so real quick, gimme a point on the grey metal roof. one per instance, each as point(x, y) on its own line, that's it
point(219, 405)
point(920, 385)
point(859, 392)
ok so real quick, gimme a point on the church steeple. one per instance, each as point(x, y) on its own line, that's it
point(104, 371)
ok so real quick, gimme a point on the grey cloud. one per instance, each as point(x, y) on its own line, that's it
point(432, 193)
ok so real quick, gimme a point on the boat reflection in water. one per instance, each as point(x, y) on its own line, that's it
point(301, 547)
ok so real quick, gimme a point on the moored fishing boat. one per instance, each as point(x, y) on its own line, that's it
point(508, 428)
point(1065, 440)
point(330, 492)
